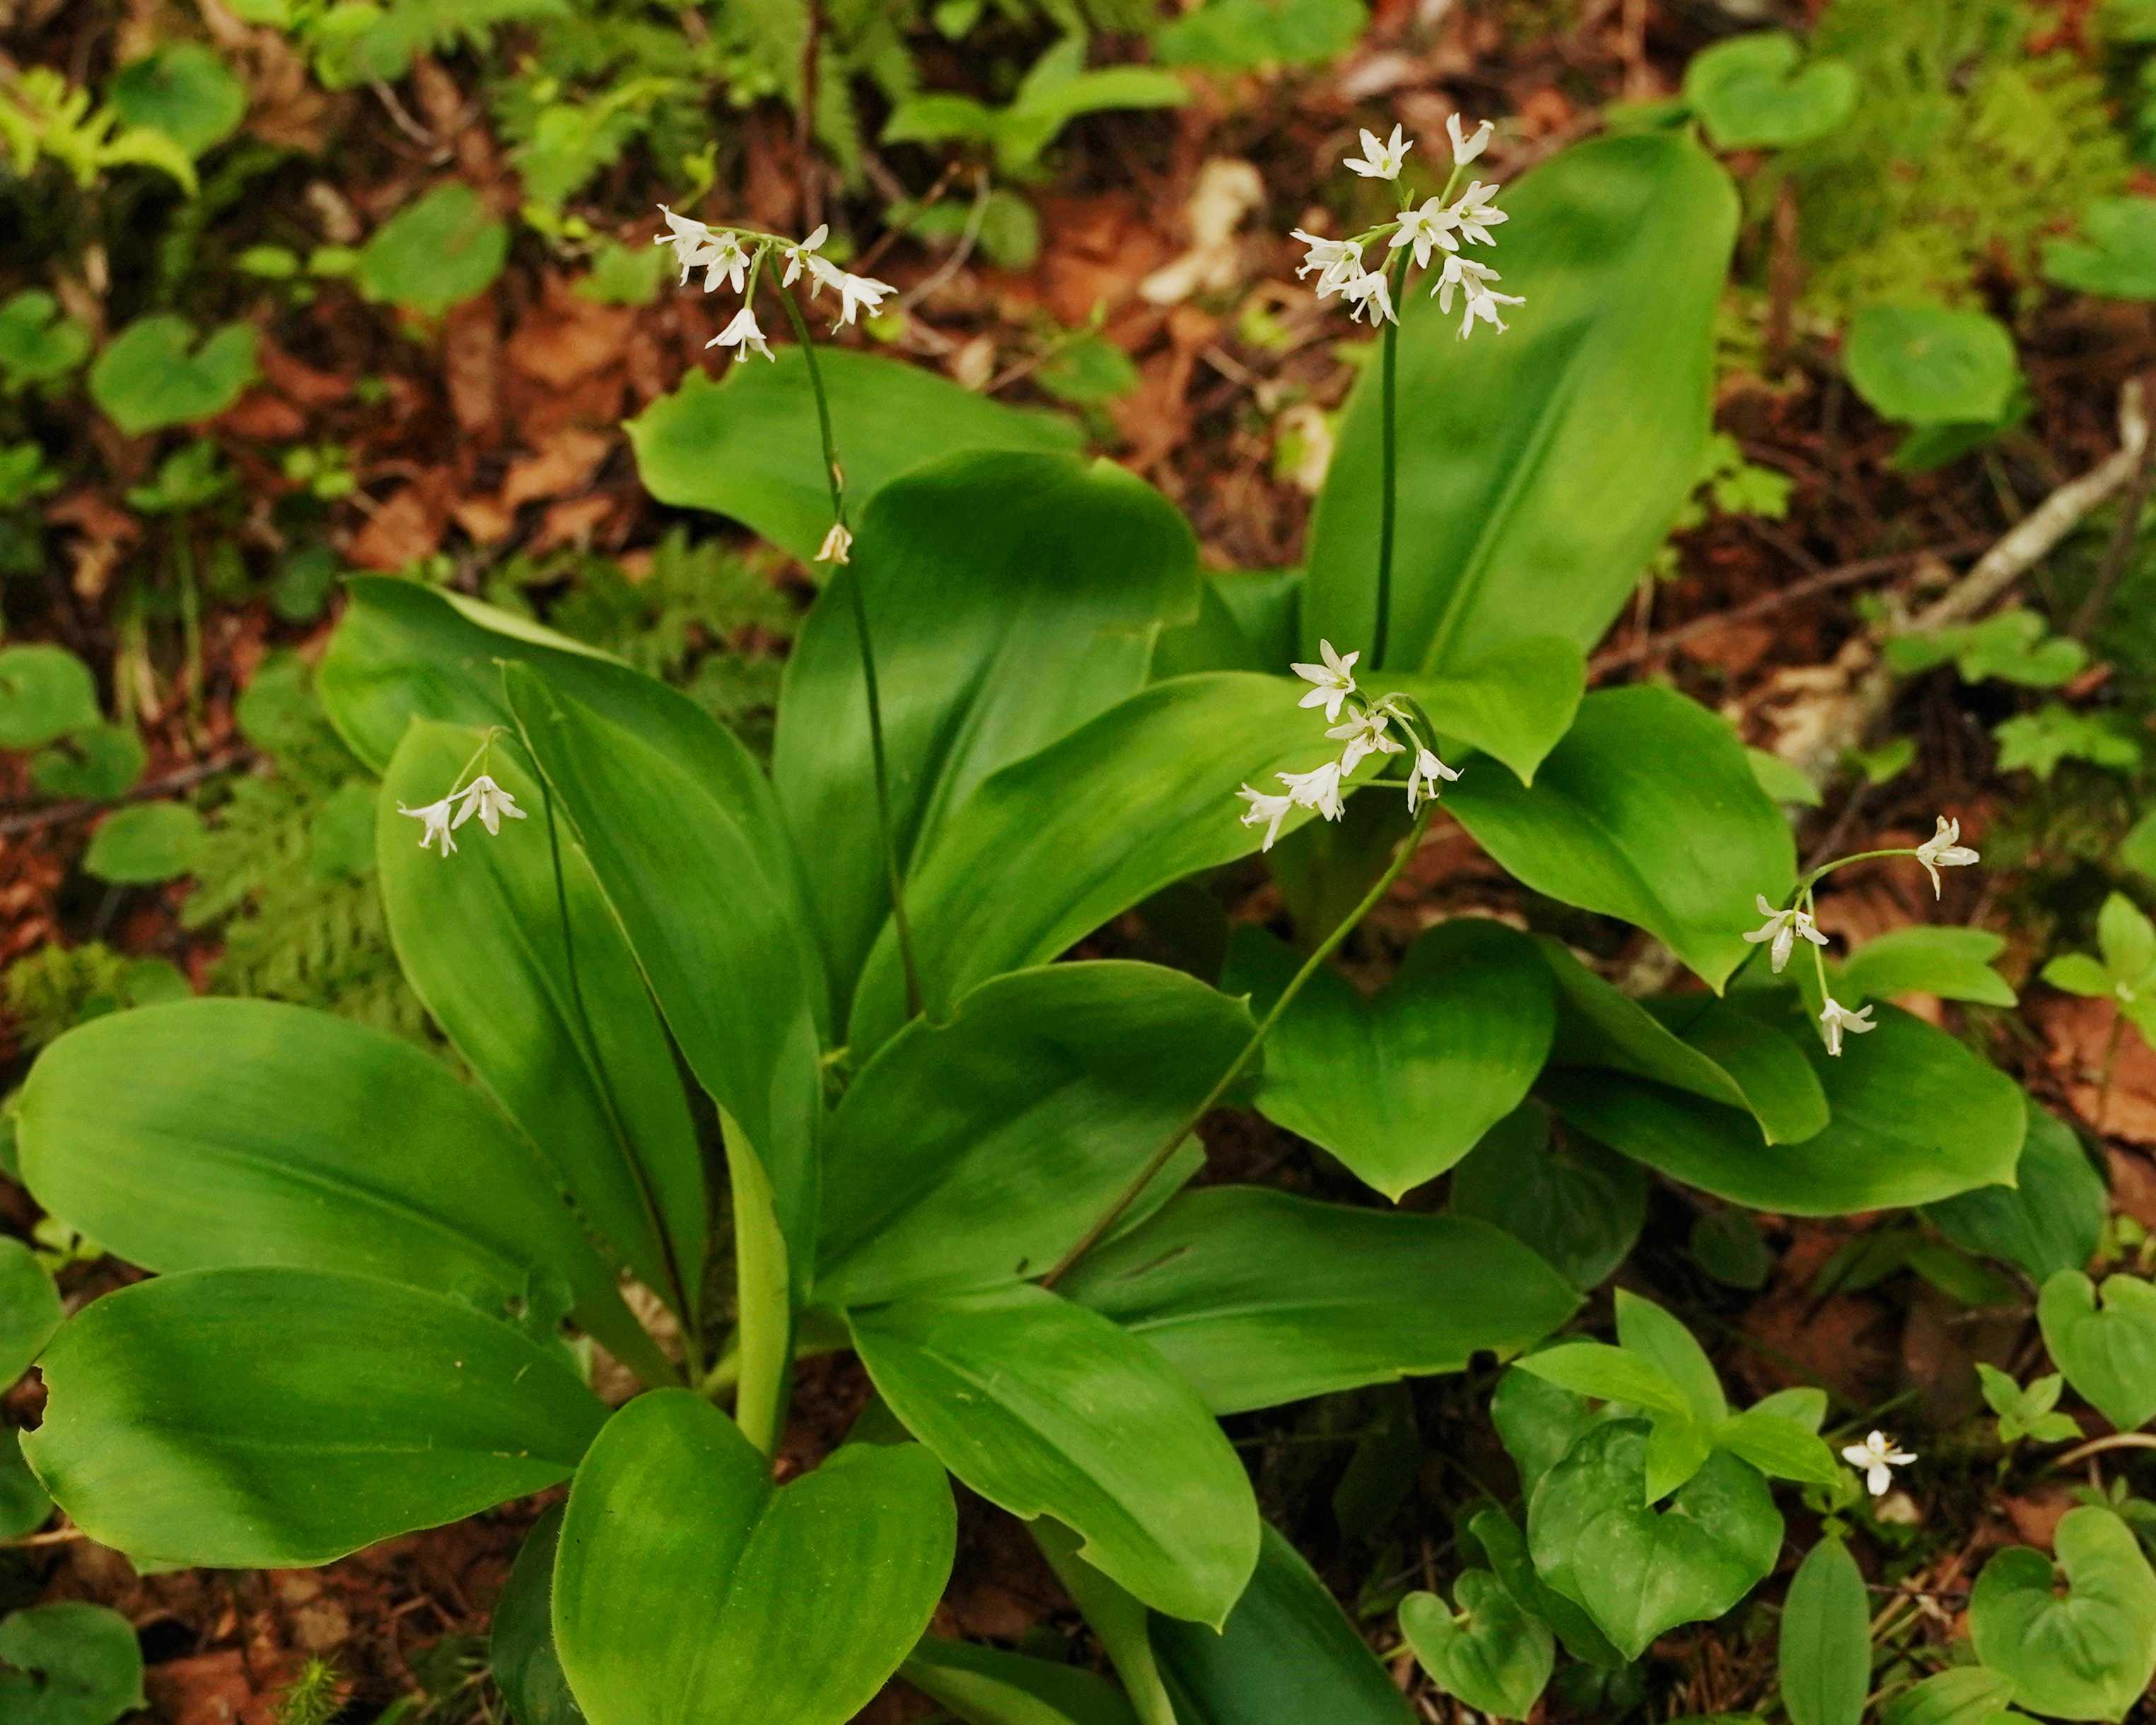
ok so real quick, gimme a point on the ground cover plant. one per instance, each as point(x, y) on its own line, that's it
point(996, 1091)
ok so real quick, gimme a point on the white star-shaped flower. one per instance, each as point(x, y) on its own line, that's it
point(800, 256)
point(436, 816)
point(1876, 1456)
point(1944, 850)
point(1380, 162)
point(838, 545)
point(1424, 779)
point(693, 242)
point(1371, 294)
point(1422, 228)
point(1474, 215)
point(1319, 788)
point(1482, 303)
point(1835, 1020)
point(1335, 679)
point(1785, 928)
point(743, 335)
point(486, 799)
point(1365, 734)
point(1336, 261)
point(728, 262)
point(1467, 146)
point(1266, 811)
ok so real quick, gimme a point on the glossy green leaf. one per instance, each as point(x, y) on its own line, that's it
point(521, 1654)
point(1826, 1651)
point(158, 371)
point(1257, 1298)
point(209, 1133)
point(268, 1418)
point(1491, 1655)
point(555, 1022)
point(25, 1506)
point(2087, 1651)
point(2109, 1355)
point(991, 643)
point(1044, 1408)
point(2051, 1219)
point(442, 248)
point(705, 910)
point(29, 1309)
point(981, 1148)
point(1647, 1330)
point(1506, 1549)
point(1286, 1652)
point(1576, 1206)
point(1780, 1445)
point(1926, 365)
point(1401, 1085)
point(1648, 810)
point(1967, 1695)
point(1953, 963)
point(1056, 845)
point(145, 844)
point(1538, 473)
point(1513, 703)
point(1641, 1571)
point(96, 764)
point(1916, 1117)
point(72, 1664)
point(1609, 1375)
point(984, 1685)
point(691, 1590)
point(749, 448)
point(2115, 253)
point(1677, 1448)
point(184, 90)
point(1749, 95)
point(1538, 1422)
point(45, 693)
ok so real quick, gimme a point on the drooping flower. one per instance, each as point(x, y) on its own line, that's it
point(1337, 262)
point(1319, 788)
point(1424, 779)
point(1365, 734)
point(1371, 294)
point(1944, 850)
point(436, 816)
point(1785, 929)
point(1380, 162)
point(1474, 215)
point(1876, 1456)
point(854, 291)
point(1482, 303)
point(1427, 225)
point(803, 255)
point(486, 799)
point(693, 242)
point(1467, 146)
point(1836, 1020)
point(743, 335)
point(1335, 680)
point(838, 545)
point(1266, 811)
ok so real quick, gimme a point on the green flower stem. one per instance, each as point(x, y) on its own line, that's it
point(835, 474)
point(1159, 1158)
point(1389, 494)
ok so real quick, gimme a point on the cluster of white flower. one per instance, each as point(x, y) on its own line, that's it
point(482, 797)
point(1439, 225)
point(1783, 928)
point(736, 255)
point(1368, 730)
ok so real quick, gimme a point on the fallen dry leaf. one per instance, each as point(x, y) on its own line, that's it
point(2107, 1071)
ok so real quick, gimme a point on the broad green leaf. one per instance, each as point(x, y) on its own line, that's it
point(984, 1685)
point(1257, 1297)
point(1779, 1446)
point(1677, 1448)
point(1401, 1085)
point(2087, 1651)
point(29, 1309)
point(72, 1664)
point(522, 1654)
point(2051, 1219)
point(1953, 963)
point(1491, 1655)
point(706, 912)
point(38, 342)
point(158, 371)
point(1286, 1652)
point(263, 1418)
point(1056, 845)
point(2109, 1355)
point(207, 1133)
point(1246, 621)
point(1782, 780)
point(45, 693)
point(1749, 95)
point(1538, 1422)
point(1641, 1571)
point(25, 1504)
point(1647, 1330)
point(1926, 365)
point(1648, 810)
point(972, 1151)
point(442, 248)
point(2115, 256)
point(1609, 1375)
point(1825, 1651)
point(184, 90)
point(1514, 703)
point(554, 1020)
point(1538, 473)
point(1045, 1408)
point(1969, 1695)
point(991, 643)
point(691, 1590)
point(1506, 1549)
point(145, 843)
point(2127, 938)
point(96, 764)
point(1916, 1117)
point(1576, 1206)
point(749, 448)
point(1253, 35)
point(1727, 1245)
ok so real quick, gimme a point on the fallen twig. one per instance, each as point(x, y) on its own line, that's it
point(57, 813)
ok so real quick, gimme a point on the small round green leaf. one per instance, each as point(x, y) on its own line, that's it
point(1926, 365)
point(143, 844)
point(2087, 1651)
point(94, 763)
point(45, 693)
point(2114, 256)
point(185, 91)
point(157, 373)
point(73, 1664)
point(1749, 93)
point(435, 253)
point(25, 1504)
point(1492, 1655)
point(2109, 1356)
point(36, 342)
